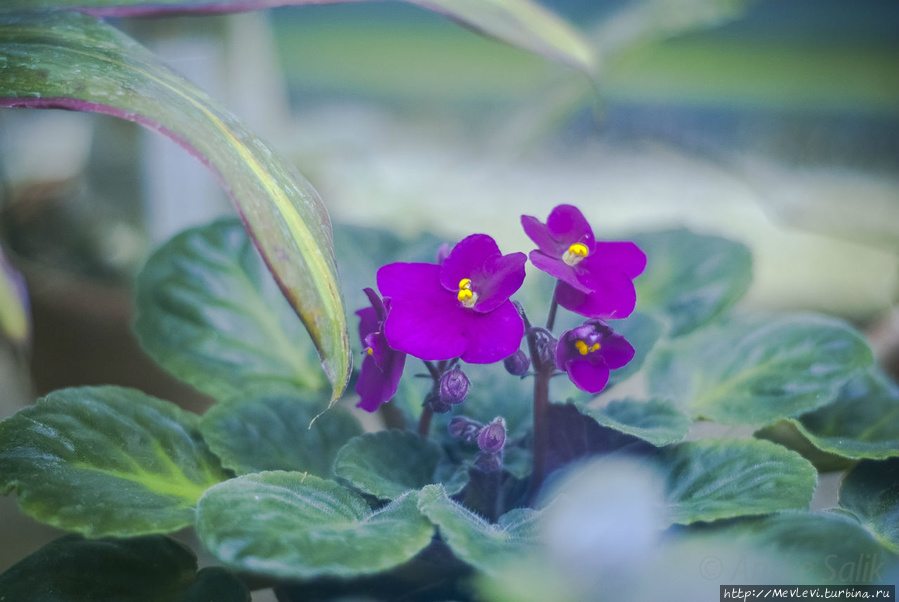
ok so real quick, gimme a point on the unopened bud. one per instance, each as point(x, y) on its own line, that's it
point(464, 428)
point(454, 386)
point(545, 345)
point(492, 437)
point(518, 363)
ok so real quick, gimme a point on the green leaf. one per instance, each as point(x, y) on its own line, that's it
point(711, 479)
point(656, 420)
point(870, 491)
point(820, 548)
point(277, 433)
point(210, 313)
point(522, 23)
point(817, 547)
point(106, 461)
point(862, 423)
point(757, 372)
point(784, 432)
point(389, 463)
point(474, 540)
point(145, 569)
point(64, 59)
point(296, 526)
point(691, 279)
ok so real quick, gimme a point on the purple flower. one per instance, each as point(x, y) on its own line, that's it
point(383, 365)
point(460, 308)
point(595, 278)
point(587, 353)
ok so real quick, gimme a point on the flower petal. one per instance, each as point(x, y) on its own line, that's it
point(376, 386)
point(425, 320)
point(505, 276)
point(539, 233)
point(622, 255)
point(616, 351)
point(368, 322)
point(557, 269)
point(588, 376)
point(614, 297)
point(467, 260)
point(567, 224)
point(376, 303)
point(494, 336)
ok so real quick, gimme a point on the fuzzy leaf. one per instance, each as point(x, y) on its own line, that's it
point(277, 433)
point(389, 463)
point(657, 421)
point(572, 436)
point(68, 60)
point(483, 545)
point(761, 371)
point(787, 548)
point(870, 491)
point(296, 526)
point(784, 432)
point(862, 423)
point(710, 479)
point(210, 313)
point(106, 461)
point(522, 23)
point(145, 569)
point(691, 279)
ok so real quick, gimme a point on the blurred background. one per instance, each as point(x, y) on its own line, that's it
point(774, 122)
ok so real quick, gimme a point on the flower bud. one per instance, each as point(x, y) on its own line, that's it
point(453, 386)
point(464, 428)
point(518, 363)
point(492, 437)
point(545, 345)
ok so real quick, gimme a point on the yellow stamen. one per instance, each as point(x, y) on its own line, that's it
point(575, 254)
point(466, 296)
point(370, 351)
point(583, 349)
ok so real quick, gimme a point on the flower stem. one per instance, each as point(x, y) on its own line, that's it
point(424, 423)
point(551, 318)
point(543, 371)
point(541, 440)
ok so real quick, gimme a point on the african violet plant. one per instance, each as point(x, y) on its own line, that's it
point(487, 485)
point(61, 54)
